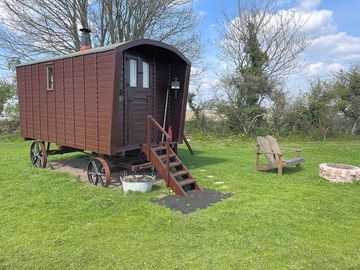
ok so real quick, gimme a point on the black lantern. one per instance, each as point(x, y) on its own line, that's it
point(175, 84)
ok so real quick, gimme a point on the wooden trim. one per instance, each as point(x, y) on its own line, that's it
point(97, 101)
point(118, 71)
point(84, 101)
point(184, 103)
point(188, 146)
point(50, 65)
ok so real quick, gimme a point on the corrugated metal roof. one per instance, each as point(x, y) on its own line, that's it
point(94, 50)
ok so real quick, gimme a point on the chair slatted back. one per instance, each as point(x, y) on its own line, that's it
point(266, 149)
point(274, 146)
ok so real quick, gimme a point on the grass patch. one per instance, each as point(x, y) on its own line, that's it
point(50, 220)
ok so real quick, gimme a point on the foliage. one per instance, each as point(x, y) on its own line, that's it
point(51, 220)
point(199, 114)
point(7, 93)
point(346, 87)
point(203, 122)
point(212, 129)
point(246, 88)
point(9, 127)
point(9, 116)
point(330, 108)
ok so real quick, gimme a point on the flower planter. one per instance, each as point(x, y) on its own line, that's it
point(137, 183)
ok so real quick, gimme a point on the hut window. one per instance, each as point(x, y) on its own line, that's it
point(50, 77)
point(133, 73)
point(146, 75)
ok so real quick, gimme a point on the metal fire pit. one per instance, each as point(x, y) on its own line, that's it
point(339, 173)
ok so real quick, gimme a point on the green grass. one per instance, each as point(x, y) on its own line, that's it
point(51, 220)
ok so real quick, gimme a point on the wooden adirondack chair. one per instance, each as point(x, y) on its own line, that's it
point(269, 147)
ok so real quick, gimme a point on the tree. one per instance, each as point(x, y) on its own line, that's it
point(198, 108)
point(321, 111)
point(33, 28)
point(7, 93)
point(260, 47)
point(346, 86)
point(277, 111)
point(278, 34)
point(242, 105)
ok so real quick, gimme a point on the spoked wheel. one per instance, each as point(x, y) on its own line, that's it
point(38, 155)
point(98, 172)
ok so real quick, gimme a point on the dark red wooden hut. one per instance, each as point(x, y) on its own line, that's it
point(103, 100)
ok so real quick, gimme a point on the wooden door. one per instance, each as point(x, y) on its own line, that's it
point(139, 95)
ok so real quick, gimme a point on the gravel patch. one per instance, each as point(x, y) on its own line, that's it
point(78, 167)
point(194, 200)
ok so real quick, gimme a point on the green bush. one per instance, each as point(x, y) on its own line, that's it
point(9, 129)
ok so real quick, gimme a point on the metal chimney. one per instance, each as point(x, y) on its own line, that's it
point(85, 43)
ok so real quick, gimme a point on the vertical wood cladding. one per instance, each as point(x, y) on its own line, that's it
point(90, 103)
point(79, 103)
point(29, 108)
point(120, 100)
point(44, 105)
point(20, 74)
point(35, 100)
point(105, 96)
point(60, 102)
point(69, 105)
point(78, 111)
point(51, 114)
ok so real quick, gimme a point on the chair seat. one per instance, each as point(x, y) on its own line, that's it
point(293, 161)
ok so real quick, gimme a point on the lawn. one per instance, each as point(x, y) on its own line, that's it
point(51, 220)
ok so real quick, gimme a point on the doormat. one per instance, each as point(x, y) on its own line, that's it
point(194, 200)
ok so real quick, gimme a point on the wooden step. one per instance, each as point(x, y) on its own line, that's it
point(162, 157)
point(187, 182)
point(175, 164)
point(155, 154)
point(159, 148)
point(180, 173)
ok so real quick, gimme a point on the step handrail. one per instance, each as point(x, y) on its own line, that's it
point(153, 122)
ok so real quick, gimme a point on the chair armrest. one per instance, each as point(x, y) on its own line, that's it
point(293, 149)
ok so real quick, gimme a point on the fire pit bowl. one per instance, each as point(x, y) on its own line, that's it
point(339, 173)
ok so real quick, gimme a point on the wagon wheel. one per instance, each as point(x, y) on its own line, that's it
point(38, 154)
point(98, 172)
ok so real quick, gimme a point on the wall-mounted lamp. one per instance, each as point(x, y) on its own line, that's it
point(175, 85)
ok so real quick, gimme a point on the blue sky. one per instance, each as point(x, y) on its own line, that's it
point(333, 27)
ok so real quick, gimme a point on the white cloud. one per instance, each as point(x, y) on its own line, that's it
point(308, 4)
point(314, 23)
point(340, 47)
point(317, 22)
point(202, 13)
point(320, 69)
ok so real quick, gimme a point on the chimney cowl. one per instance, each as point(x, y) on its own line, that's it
point(85, 42)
